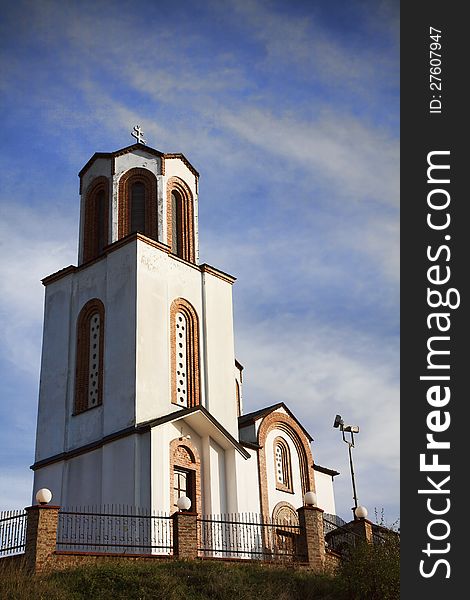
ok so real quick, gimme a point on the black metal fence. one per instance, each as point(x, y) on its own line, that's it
point(116, 529)
point(12, 532)
point(248, 536)
point(338, 537)
point(382, 535)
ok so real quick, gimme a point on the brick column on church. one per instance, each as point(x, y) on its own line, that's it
point(362, 528)
point(41, 536)
point(312, 539)
point(185, 534)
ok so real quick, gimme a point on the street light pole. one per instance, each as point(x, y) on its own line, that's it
point(351, 429)
point(351, 464)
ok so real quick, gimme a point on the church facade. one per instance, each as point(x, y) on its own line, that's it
point(141, 396)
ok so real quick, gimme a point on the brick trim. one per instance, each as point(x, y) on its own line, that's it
point(149, 180)
point(184, 454)
point(283, 422)
point(82, 355)
point(91, 247)
point(192, 351)
point(185, 228)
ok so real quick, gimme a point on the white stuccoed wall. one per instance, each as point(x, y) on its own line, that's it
point(219, 353)
point(325, 492)
point(247, 483)
point(217, 477)
point(112, 280)
point(116, 473)
point(162, 278)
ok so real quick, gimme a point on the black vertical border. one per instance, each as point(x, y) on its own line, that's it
point(421, 133)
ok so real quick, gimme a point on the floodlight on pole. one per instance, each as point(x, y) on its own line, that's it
point(351, 429)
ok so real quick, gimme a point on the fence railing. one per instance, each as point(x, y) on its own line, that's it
point(248, 536)
point(12, 532)
point(115, 529)
point(382, 535)
point(339, 538)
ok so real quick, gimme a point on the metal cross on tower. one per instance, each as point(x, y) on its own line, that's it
point(138, 134)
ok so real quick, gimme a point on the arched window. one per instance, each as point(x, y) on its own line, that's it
point(180, 221)
point(282, 465)
point(185, 474)
point(89, 358)
point(184, 338)
point(138, 203)
point(95, 234)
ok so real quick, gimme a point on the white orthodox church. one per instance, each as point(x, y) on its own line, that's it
point(141, 396)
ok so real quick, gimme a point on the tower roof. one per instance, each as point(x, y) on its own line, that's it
point(143, 148)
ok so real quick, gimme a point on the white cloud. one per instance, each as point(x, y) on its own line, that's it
point(35, 243)
point(358, 161)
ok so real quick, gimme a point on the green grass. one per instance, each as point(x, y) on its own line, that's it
point(175, 580)
point(372, 573)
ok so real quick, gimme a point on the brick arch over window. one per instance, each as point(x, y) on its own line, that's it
point(95, 229)
point(180, 219)
point(184, 349)
point(137, 186)
point(89, 356)
point(184, 455)
point(283, 422)
point(282, 465)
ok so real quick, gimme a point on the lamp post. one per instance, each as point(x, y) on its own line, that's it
point(351, 429)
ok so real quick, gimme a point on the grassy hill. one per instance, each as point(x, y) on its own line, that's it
point(372, 576)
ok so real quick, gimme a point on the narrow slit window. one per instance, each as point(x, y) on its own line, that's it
point(181, 359)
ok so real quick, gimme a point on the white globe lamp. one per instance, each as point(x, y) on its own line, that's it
point(310, 499)
point(44, 496)
point(361, 512)
point(183, 503)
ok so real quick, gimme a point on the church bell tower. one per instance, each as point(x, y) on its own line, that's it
point(138, 373)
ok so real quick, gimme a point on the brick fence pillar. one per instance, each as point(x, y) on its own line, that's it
point(185, 534)
point(41, 535)
point(312, 538)
point(362, 528)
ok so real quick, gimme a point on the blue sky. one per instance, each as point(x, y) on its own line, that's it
point(290, 112)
